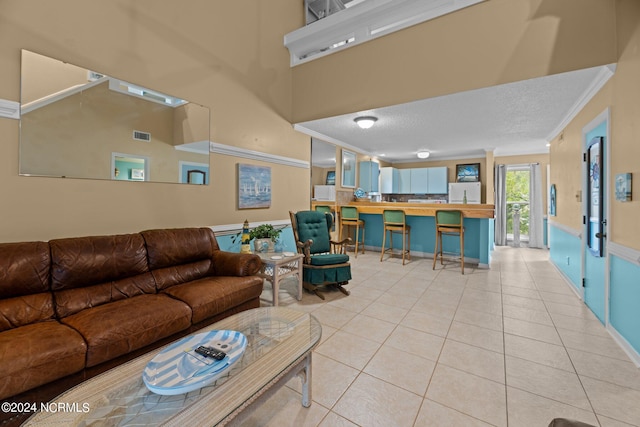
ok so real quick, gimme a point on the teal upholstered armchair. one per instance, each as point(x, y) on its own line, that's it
point(325, 261)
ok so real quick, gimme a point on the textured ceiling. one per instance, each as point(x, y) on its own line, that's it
point(515, 118)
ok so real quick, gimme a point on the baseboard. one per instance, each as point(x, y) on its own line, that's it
point(624, 345)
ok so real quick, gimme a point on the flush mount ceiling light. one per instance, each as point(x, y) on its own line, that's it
point(365, 122)
point(423, 154)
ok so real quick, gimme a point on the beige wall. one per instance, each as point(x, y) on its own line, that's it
point(491, 43)
point(228, 56)
point(622, 95)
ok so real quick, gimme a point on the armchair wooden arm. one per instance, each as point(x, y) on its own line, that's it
point(306, 250)
point(341, 246)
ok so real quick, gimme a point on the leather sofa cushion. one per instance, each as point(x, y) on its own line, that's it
point(112, 330)
point(24, 284)
point(25, 310)
point(72, 301)
point(24, 268)
point(90, 271)
point(179, 246)
point(178, 274)
point(36, 354)
point(86, 261)
point(211, 296)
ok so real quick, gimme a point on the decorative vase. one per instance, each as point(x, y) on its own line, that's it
point(263, 245)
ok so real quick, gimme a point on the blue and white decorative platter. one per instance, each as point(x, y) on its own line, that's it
point(179, 369)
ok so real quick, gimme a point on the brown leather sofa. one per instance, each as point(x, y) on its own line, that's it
point(68, 306)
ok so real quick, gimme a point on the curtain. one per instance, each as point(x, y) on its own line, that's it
point(500, 238)
point(535, 206)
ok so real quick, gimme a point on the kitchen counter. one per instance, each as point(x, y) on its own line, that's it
point(425, 209)
point(478, 223)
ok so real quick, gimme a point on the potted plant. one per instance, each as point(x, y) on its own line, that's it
point(264, 236)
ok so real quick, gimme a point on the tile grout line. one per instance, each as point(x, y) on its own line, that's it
point(566, 351)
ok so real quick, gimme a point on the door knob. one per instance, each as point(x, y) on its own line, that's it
point(600, 235)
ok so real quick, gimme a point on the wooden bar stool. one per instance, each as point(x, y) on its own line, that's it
point(395, 222)
point(449, 222)
point(349, 218)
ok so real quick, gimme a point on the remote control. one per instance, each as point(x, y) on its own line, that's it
point(211, 352)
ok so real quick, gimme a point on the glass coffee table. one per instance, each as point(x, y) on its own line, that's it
point(279, 347)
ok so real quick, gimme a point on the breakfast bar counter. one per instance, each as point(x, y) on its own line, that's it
point(478, 223)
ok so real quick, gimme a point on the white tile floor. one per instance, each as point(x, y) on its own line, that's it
point(509, 346)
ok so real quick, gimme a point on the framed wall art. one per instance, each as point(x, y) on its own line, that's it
point(623, 187)
point(254, 186)
point(469, 172)
point(137, 174)
point(331, 178)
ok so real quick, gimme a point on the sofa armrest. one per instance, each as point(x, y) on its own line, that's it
point(235, 264)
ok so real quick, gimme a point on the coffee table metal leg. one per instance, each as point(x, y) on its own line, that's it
point(305, 376)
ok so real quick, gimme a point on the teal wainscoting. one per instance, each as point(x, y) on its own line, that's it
point(286, 242)
point(565, 253)
point(624, 300)
point(478, 236)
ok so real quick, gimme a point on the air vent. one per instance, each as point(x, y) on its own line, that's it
point(141, 136)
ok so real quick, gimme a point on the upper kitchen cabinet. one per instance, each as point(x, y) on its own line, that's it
point(419, 181)
point(438, 180)
point(414, 180)
point(404, 181)
point(369, 172)
point(389, 180)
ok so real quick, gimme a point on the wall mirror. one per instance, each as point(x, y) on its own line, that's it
point(348, 169)
point(323, 162)
point(79, 123)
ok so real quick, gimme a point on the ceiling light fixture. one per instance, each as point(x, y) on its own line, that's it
point(423, 154)
point(365, 122)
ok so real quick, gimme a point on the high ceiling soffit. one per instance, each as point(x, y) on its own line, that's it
point(510, 119)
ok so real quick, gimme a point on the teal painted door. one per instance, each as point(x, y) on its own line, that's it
point(595, 224)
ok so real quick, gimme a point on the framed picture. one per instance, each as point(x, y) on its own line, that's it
point(623, 187)
point(137, 174)
point(469, 172)
point(331, 178)
point(552, 200)
point(254, 186)
point(348, 169)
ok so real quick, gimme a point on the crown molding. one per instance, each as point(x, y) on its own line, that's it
point(603, 77)
point(229, 150)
